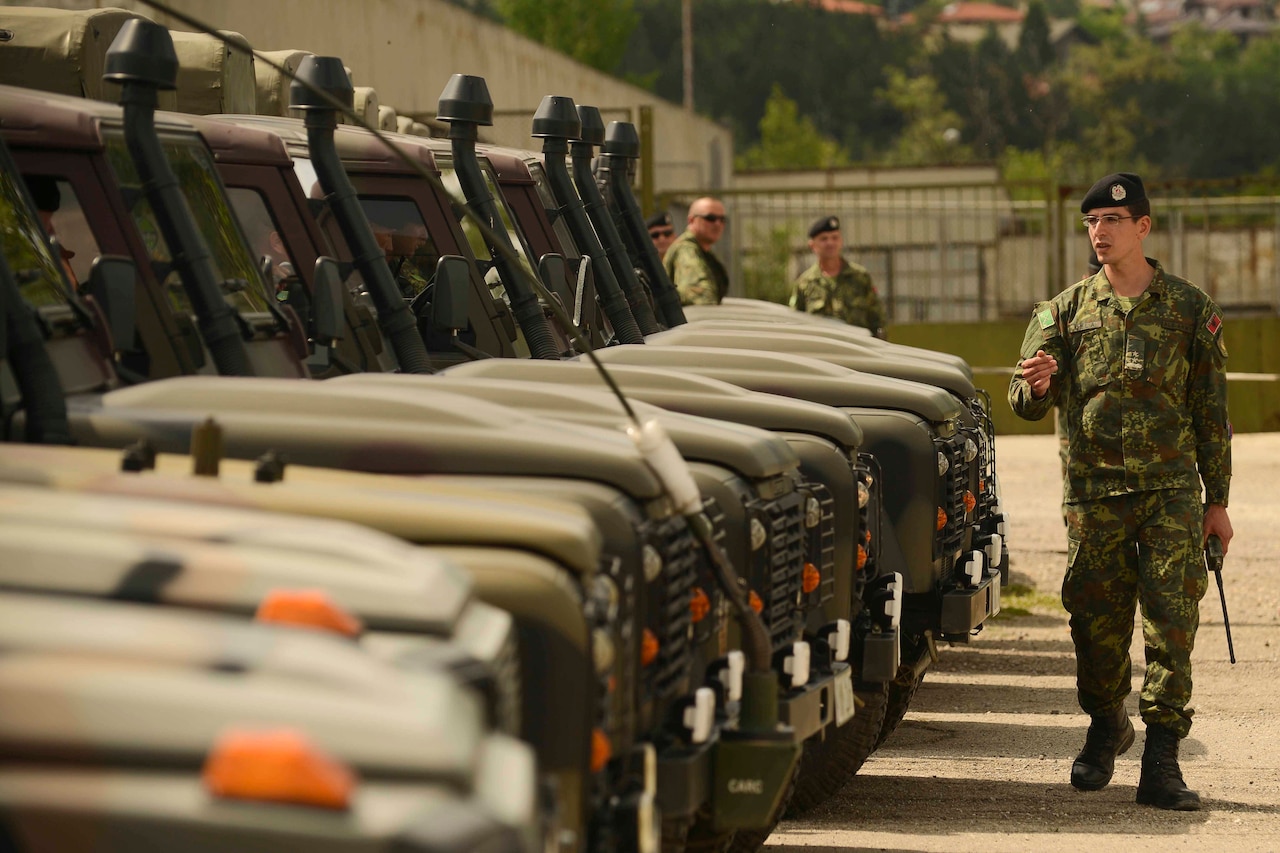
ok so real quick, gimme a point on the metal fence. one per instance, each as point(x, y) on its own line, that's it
point(975, 252)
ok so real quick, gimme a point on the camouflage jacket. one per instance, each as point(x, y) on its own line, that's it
point(1144, 394)
point(697, 274)
point(850, 295)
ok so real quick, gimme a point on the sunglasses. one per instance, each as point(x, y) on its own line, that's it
point(711, 217)
point(663, 232)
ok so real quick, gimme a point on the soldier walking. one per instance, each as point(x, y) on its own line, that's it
point(1136, 359)
point(835, 287)
point(696, 272)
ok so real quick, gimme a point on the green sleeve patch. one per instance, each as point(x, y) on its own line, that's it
point(1046, 318)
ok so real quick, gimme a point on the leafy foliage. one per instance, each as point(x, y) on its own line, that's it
point(789, 140)
point(594, 32)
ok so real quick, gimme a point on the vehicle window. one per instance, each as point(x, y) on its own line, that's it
point(264, 238)
point(449, 178)
point(26, 248)
point(233, 264)
point(548, 199)
point(403, 237)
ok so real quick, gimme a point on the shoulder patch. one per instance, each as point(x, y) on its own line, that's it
point(1214, 324)
point(1045, 316)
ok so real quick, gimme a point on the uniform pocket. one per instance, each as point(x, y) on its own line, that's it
point(1167, 351)
point(1091, 362)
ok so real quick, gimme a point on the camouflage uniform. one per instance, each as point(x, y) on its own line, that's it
point(1143, 391)
point(697, 274)
point(850, 295)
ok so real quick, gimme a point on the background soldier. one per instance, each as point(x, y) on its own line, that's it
point(696, 272)
point(835, 287)
point(661, 231)
point(1136, 359)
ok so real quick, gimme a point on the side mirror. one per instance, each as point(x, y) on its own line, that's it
point(326, 301)
point(449, 301)
point(113, 285)
point(554, 272)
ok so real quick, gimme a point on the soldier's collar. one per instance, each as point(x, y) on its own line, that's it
point(1101, 290)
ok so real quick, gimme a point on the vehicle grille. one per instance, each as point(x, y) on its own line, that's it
point(683, 561)
point(506, 671)
point(820, 545)
point(868, 468)
point(785, 552)
point(954, 484)
point(705, 630)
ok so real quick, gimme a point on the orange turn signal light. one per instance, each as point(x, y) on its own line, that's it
point(601, 750)
point(754, 600)
point(942, 518)
point(279, 766)
point(862, 557)
point(648, 647)
point(811, 578)
point(312, 608)
point(699, 605)
point(969, 501)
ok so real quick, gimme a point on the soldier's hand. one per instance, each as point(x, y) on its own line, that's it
point(1038, 371)
point(1217, 521)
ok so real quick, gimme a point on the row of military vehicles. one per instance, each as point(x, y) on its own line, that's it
point(373, 491)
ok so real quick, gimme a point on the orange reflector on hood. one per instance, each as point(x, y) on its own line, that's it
point(811, 578)
point(754, 600)
point(312, 608)
point(969, 501)
point(942, 518)
point(601, 750)
point(862, 557)
point(279, 766)
point(699, 605)
point(648, 647)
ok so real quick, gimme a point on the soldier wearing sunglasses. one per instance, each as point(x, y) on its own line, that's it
point(697, 273)
point(661, 231)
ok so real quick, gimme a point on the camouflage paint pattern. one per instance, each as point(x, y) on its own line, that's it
point(1142, 548)
point(849, 295)
point(697, 273)
point(1144, 394)
point(1142, 390)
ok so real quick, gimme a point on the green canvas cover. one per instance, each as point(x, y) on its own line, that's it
point(212, 77)
point(55, 50)
point(272, 86)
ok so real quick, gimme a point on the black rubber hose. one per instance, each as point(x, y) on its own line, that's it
point(615, 252)
point(665, 295)
point(394, 317)
point(33, 370)
point(216, 320)
point(612, 299)
point(524, 301)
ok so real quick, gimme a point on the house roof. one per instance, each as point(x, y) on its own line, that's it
point(979, 13)
point(851, 7)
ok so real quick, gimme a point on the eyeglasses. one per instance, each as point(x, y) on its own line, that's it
point(1110, 220)
point(663, 232)
point(711, 217)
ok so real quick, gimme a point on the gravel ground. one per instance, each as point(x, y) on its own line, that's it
point(981, 762)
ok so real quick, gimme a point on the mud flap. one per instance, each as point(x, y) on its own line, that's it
point(752, 772)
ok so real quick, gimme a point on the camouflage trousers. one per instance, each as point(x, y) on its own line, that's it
point(1141, 549)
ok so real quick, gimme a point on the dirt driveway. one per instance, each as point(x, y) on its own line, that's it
point(981, 761)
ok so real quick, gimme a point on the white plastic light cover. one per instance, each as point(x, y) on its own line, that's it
point(973, 567)
point(796, 664)
point(864, 495)
point(649, 762)
point(731, 675)
point(701, 715)
point(994, 548)
point(895, 615)
point(840, 639)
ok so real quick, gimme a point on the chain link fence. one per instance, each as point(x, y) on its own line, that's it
point(987, 251)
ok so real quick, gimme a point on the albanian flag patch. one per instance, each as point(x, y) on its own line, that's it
point(1214, 324)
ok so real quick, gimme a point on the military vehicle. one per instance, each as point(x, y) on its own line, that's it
point(666, 651)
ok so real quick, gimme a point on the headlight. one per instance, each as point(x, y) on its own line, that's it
point(812, 512)
point(758, 534)
point(864, 495)
point(605, 597)
point(970, 450)
point(652, 563)
point(944, 465)
point(602, 650)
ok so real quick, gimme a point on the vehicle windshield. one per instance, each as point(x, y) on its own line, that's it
point(449, 177)
point(198, 178)
point(26, 247)
point(548, 199)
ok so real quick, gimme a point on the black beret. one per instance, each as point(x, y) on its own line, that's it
point(823, 225)
point(1118, 190)
point(44, 192)
point(658, 220)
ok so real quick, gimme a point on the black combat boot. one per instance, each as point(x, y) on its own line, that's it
point(1161, 784)
point(1110, 734)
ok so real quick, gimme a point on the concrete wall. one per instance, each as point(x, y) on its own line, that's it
point(992, 350)
point(408, 49)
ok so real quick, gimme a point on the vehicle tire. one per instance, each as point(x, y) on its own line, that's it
point(694, 836)
point(827, 765)
point(903, 688)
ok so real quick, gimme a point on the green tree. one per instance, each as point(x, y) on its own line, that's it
point(764, 269)
point(594, 32)
point(790, 141)
point(932, 133)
